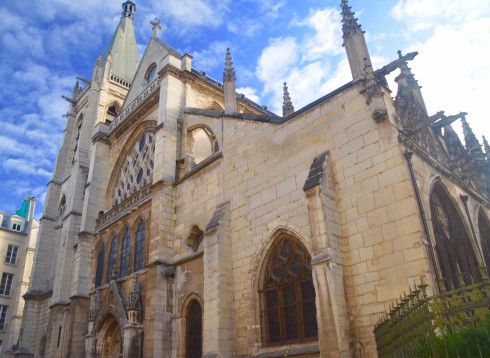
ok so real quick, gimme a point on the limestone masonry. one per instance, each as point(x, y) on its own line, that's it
point(184, 220)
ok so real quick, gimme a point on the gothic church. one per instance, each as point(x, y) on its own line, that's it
point(184, 220)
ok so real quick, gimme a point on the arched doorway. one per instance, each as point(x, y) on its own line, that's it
point(194, 330)
point(109, 338)
point(453, 246)
point(484, 227)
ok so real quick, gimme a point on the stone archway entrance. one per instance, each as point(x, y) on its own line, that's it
point(108, 338)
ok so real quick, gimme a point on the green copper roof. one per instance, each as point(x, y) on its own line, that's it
point(124, 51)
point(24, 209)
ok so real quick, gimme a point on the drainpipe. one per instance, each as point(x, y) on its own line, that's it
point(464, 199)
point(408, 155)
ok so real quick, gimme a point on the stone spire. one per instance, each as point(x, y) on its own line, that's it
point(354, 42)
point(123, 47)
point(287, 105)
point(453, 143)
point(135, 306)
point(471, 143)
point(229, 84)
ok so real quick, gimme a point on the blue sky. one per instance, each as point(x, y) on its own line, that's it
point(45, 45)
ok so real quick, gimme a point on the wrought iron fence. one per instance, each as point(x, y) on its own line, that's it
point(452, 323)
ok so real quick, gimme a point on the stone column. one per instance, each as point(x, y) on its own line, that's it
point(132, 341)
point(218, 335)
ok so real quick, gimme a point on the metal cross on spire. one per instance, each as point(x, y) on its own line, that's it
point(155, 26)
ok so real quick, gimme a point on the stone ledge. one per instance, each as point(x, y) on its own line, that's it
point(290, 352)
point(201, 166)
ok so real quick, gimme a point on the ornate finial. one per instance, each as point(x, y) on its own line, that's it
point(155, 26)
point(399, 52)
point(287, 106)
point(229, 74)
point(128, 8)
point(134, 302)
point(76, 88)
point(349, 22)
point(472, 144)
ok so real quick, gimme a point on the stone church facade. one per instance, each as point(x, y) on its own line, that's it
point(184, 220)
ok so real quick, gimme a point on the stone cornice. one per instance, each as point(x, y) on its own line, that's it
point(441, 168)
point(37, 294)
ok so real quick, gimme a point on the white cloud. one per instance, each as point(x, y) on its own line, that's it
point(304, 63)
point(452, 66)
point(25, 167)
point(211, 57)
point(250, 93)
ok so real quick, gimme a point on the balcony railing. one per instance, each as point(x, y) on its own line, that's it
point(118, 211)
point(452, 323)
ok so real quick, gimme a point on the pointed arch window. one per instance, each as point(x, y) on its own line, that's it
point(288, 295)
point(194, 330)
point(125, 252)
point(111, 264)
point(484, 227)
point(139, 247)
point(99, 271)
point(77, 137)
point(453, 246)
point(137, 170)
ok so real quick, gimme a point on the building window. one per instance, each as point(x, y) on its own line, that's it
point(137, 169)
point(112, 113)
point(453, 246)
point(3, 317)
point(150, 73)
point(16, 227)
point(6, 284)
point(194, 330)
point(111, 265)
point(484, 227)
point(202, 143)
point(288, 295)
point(11, 257)
point(125, 252)
point(62, 207)
point(77, 137)
point(139, 247)
point(99, 271)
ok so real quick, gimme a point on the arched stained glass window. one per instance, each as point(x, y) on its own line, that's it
point(137, 170)
point(99, 271)
point(111, 264)
point(139, 247)
point(125, 252)
point(453, 246)
point(194, 330)
point(288, 294)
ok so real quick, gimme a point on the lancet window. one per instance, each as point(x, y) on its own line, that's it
point(453, 246)
point(194, 330)
point(99, 271)
point(125, 253)
point(139, 247)
point(111, 264)
point(288, 295)
point(77, 137)
point(484, 227)
point(137, 169)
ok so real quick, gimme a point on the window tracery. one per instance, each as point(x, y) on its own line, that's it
point(288, 294)
point(137, 170)
point(111, 264)
point(125, 253)
point(453, 246)
point(139, 247)
point(99, 271)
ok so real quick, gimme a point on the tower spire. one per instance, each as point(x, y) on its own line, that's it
point(354, 42)
point(287, 106)
point(472, 144)
point(229, 84)
point(128, 9)
point(123, 47)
